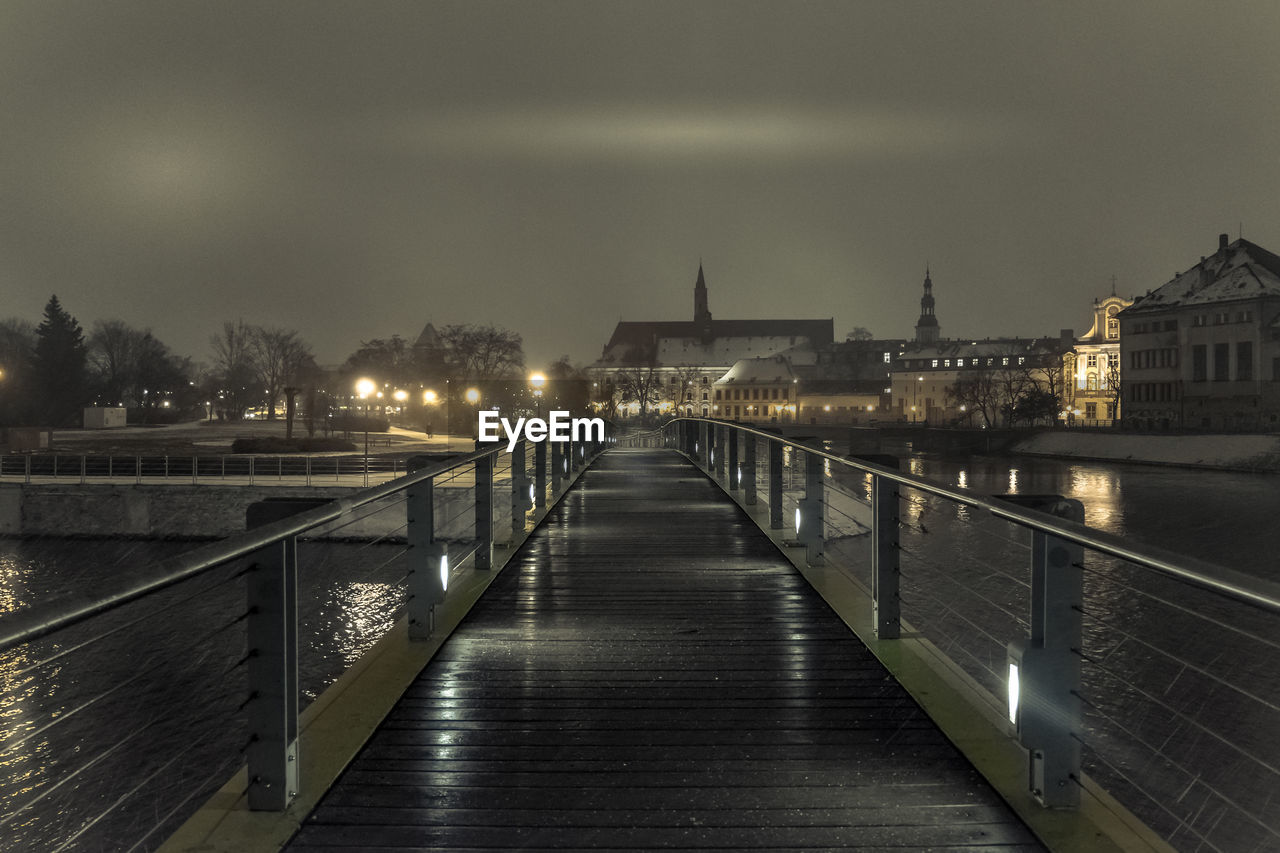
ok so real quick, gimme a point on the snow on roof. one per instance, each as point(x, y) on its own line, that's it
point(759, 371)
point(1242, 270)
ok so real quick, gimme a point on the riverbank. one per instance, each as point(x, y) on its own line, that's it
point(1252, 453)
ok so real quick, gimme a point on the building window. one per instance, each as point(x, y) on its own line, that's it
point(1091, 383)
point(1244, 360)
point(775, 393)
point(704, 395)
point(717, 393)
point(935, 362)
point(959, 362)
point(1199, 363)
point(1201, 320)
point(704, 380)
point(1221, 362)
point(1090, 410)
point(1005, 361)
point(887, 358)
point(946, 362)
point(1091, 361)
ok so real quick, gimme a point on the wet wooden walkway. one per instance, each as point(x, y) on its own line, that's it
point(649, 673)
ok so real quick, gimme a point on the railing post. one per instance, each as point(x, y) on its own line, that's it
point(557, 467)
point(749, 469)
point(540, 475)
point(1044, 669)
point(521, 499)
point(885, 555)
point(137, 470)
point(428, 561)
point(811, 515)
point(82, 466)
point(775, 485)
point(272, 630)
point(735, 466)
point(484, 511)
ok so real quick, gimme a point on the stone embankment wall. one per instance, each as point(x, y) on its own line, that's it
point(173, 511)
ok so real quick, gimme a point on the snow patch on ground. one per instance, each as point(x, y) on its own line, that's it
point(1246, 452)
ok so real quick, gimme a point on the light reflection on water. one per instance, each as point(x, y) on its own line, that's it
point(964, 586)
point(346, 600)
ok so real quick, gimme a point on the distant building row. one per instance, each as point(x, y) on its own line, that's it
point(1201, 351)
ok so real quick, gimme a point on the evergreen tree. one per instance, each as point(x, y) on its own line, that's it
point(59, 367)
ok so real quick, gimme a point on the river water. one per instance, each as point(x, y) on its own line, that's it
point(961, 586)
point(1181, 687)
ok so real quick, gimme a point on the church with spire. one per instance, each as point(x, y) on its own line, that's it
point(677, 361)
point(927, 330)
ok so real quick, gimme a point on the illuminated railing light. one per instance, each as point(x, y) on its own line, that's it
point(797, 519)
point(1014, 689)
point(444, 571)
point(531, 493)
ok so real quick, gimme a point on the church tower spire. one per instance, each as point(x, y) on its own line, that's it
point(701, 313)
point(927, 330)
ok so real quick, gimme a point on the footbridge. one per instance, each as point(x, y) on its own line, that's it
point(708, 636)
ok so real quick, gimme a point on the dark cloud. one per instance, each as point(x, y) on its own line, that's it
point(355, 169)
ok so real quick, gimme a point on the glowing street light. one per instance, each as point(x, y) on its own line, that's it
point(401, 395)
point(473, 396)
point(365, 387)
point(429, 397)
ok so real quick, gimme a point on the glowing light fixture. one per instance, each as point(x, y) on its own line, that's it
point(473, 395)
point(429, 396)
point(444, 571)
point(797, 519)
point(364, 387)
point(1014, 689)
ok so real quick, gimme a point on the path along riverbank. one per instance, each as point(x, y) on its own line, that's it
point(1255, 453)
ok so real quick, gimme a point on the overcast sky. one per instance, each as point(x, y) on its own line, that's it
point(353, 170)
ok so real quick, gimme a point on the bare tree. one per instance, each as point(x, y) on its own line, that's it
point(233, 365)
point(113, 353)
point(978, 392)
point(483, 352)
point(1114, 386)
point(279, 356)
point(681, 392)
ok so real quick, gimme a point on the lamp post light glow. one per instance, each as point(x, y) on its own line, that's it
point(473, 396)
point(444, 571)
point(429, 397)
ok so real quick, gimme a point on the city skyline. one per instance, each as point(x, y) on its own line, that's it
point(357, 172)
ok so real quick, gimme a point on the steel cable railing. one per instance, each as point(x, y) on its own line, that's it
point(198, 683)
point(1151, 691)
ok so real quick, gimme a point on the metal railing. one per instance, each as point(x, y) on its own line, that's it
point(260, 686)
point(1152, 671)
point(224, 469)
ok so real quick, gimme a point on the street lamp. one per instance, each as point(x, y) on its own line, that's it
point(537, 380)
point(365, 387)
point(430, 398)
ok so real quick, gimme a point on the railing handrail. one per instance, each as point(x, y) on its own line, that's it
point(1231, 582)
point(42, 619)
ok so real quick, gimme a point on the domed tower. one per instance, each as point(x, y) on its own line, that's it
point(927, 330)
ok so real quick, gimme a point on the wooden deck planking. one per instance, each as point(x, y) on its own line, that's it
point(648, 673)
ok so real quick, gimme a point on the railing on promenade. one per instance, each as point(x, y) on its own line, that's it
point(129, 701)
point(346, 469)
point(1121, 667)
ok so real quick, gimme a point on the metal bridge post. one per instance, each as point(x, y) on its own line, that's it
point(272, 633)
point(749, 469)
point(557, 467)
point(735, 465)
point(521, 497)
point(273, 677)
point(775, 485)
point(428, 561)
point(484, 511)
point(1044, 670)
point(540, 474)
point(810, 512)
point(718, 448)
point(885, 568)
